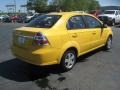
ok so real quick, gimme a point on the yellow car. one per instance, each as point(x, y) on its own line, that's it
point(59, 38)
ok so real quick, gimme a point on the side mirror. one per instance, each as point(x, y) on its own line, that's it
point(104, 25)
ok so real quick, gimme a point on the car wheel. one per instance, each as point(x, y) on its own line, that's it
point(108, 44)
point(68, 60)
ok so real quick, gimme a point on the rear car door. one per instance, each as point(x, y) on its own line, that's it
point(95, 30)
point(117, 19)
point(78, 33)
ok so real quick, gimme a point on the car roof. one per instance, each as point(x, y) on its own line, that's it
point(67, 13)
point(112, 10)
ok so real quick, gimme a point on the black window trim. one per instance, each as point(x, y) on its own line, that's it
point(76, 28)
point(87, 26)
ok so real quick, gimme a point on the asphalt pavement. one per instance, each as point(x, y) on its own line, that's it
point(98, 70)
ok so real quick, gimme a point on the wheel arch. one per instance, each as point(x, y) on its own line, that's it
point(69, 46)
point(110, 35)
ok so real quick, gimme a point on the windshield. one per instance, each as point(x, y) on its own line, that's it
point(44, 21)
point(109, 12)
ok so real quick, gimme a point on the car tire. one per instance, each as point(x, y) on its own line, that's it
point(68, 60)
point(108, 44)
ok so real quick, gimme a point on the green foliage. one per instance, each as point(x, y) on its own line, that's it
point(93, 5)
point(75, 5)
point(64, 5)
point(38, 5)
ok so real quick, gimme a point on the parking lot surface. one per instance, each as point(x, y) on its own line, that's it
point(98, 70)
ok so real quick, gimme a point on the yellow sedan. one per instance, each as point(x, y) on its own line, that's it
point(59, 38)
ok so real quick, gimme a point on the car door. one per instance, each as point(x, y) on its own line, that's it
point(94, 26)
point(78, 33)
point(119, 16)
point(117, 19)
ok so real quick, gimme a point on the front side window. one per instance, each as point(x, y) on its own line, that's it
point(44, 21)
point(92, 22)
point(75, 22)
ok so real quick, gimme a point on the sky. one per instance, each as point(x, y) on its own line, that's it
point(22, 2)
point(109, 2)
point(3, 3)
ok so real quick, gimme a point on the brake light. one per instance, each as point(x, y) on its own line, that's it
point(40, 39)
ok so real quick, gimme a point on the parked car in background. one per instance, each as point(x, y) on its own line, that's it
point(59, 38)
point(28, 17)
point(33, 17)
point(110, 17)
point(14, 18)
point(21, 19)
point(1, 18)
point(7, 19)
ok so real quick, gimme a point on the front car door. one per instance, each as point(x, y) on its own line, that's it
point(117, 17)
point(94, 26)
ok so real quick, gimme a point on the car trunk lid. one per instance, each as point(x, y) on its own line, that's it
point(23, 37)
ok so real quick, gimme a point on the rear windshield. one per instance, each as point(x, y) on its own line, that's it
point(44, 21)
point(109, 12)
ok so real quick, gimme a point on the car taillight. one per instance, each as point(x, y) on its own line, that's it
point(40, 39)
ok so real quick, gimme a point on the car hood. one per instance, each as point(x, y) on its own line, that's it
point(108, 15)
point(1, 17)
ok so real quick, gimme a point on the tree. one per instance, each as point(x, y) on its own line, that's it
point(68, 6)
point(56, 4)
point(93, 5)
point(64, 5)
point(75, 5)
point(38, 5)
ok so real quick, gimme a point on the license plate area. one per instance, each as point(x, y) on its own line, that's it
point(21, 40)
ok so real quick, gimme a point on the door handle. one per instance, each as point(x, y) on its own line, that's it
point(74, 35)
point(94, 33)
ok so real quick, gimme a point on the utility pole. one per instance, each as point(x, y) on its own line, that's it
point(15, 5)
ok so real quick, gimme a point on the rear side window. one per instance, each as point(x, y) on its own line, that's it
point(75, 22)
point(44, 21)
point(92, 22)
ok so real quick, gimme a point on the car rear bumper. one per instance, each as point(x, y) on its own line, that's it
point(40, 57)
